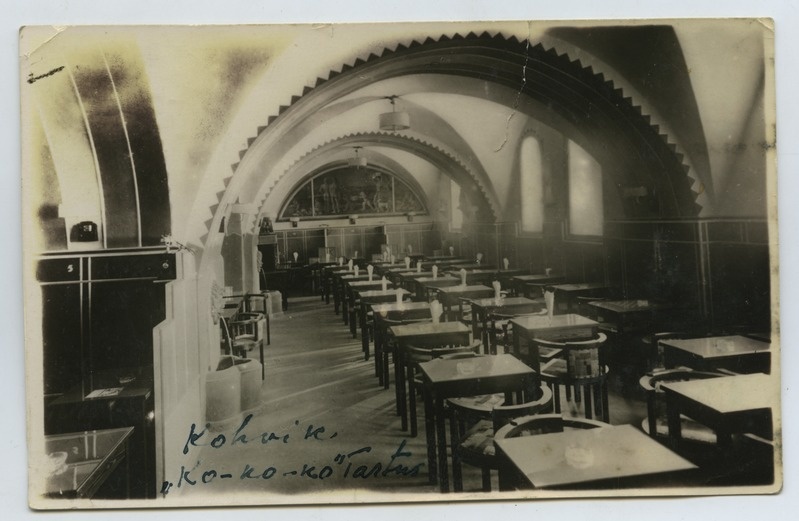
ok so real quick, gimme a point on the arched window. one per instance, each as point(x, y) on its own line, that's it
point(586, 215)
point(531, 185)
point(349, 190)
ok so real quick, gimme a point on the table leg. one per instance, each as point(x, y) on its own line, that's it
point(430, 435)
point(441, 434)
point(399, 363)
point(378, 351)
point(477, 320)
point(675, 427)
point(411, 370)
point(364, 332)
point(454, 436)
point(344, 306)
point(398, 404)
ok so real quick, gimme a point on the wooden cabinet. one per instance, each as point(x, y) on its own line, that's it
point(98, 314)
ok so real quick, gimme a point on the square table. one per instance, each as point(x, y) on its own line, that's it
point(728, 404)
point(566, 294)
point(535, 281)
point(545, 327)
point(736, 353)
point(465, 377)
point(352, 289)
point(483, 307)
point(91, 458)
point(366, 299)
point(328, 273)
point(395, 312)
point(428, 284)
point(603, 457)
point(468, 265)
point(425, 334)
point(385, 268)
point(340, 295)
point(336, 274)
point(626, 316)
point(407, 279)
point(451, 295)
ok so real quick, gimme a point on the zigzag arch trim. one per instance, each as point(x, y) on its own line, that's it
point(512, 44)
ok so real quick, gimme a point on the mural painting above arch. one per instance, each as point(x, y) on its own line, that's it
point(347, 190)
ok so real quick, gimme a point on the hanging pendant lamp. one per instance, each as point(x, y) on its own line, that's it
point(393, 121)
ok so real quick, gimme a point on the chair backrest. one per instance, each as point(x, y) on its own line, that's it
point(248, 324)
point(466, 351)
point(418, 355)
point(544, 424)
point(652, 382)
point(584, 358)
point(470, 411)
point(256, 302)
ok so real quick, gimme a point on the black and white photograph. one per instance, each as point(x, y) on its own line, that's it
point(369, 263)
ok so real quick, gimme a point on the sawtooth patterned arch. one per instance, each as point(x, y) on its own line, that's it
point(612, 127)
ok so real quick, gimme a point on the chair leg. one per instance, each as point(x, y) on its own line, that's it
point(457, 476)
point(263, 365)
point(588, 406)
point(556, 394)
point(412, 399)
point(486, 474)
point(605, 407)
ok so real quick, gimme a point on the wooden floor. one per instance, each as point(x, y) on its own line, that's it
point(318, 382)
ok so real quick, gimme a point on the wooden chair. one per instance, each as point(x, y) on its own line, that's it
point(656, 424)
point(532, 426)
point(247, 333)
point(384, 345)
point(500, 330)
point(259, 303)
point(581, 369)
point(415, 355)
point(473, 423)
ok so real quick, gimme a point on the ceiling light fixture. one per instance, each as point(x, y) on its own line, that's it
point(393, 121)
point(357, 161)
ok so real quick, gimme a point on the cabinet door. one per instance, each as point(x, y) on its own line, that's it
point(123, 315)
point(61, 334)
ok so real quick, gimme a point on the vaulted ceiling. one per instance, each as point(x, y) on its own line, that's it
point(242, 120)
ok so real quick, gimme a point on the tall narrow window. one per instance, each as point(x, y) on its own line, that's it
point(455, 207)
point(586, 215)
point(531, 185)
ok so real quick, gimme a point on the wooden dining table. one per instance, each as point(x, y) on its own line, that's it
point(485, 275)
point(425, 334)
point(482, 308)
point(341, 294)
point(352, 290)
point(450, 296)
point(533, 283)
point(557, 327)
point(566, 294)
point(617, 456)
point(728, 405)
point(628, 315)
point(423, 285)
point(382, 313)
point(365, 300)
point(734, 352)
point(455, 378)
point(407, 279)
